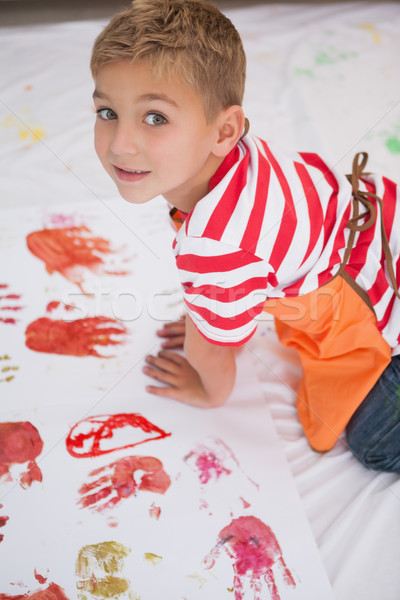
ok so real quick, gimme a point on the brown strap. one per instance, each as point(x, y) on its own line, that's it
point(353, 224)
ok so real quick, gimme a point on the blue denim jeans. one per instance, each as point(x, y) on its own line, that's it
point(373, 432)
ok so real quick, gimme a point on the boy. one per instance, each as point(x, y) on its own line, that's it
point(261, 230)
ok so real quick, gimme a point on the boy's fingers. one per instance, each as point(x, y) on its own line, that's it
point(160, 375)
point(174, 342)
point(162, 363)
point(169, 328)
point(176, 329)
point(172, 357)
point(165, 392)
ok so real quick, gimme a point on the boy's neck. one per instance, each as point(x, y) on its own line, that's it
point(186, 199)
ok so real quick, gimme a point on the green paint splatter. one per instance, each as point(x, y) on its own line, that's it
point(333, 56)
point(393, 145)
point(304, 73)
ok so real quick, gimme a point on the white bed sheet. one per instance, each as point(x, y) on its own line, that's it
point(320, 78)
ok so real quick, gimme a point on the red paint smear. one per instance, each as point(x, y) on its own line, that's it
point(117, 481)
point(75, 338)
point(245, 503)
point(52, 305)
point(33, 474)
point(3, 521)
point(3, 286)
point(255, 551)
point(66, 250)
point(52, 592)
point(39, 577)
point(93, 430)
point(55, 304)
point(155, 512)
point(20, 443)
point(9, 320)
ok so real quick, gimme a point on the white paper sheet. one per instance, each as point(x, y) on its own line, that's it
point(223, 464)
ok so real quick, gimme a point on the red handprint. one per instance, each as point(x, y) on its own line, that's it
point(74, 338)
point(255, 551)
point(71, 250)
point(116, 481)
point(52, 592)
point(20, 443)
point(86, 438)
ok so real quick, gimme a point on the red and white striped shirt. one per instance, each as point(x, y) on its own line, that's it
point(274, 226)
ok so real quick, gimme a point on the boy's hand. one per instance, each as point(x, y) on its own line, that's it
point(174, 332)
point(184, 383)
point(204, 379)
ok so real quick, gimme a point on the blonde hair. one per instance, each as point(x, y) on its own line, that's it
point(189, 39)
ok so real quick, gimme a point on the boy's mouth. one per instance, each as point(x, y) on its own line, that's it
point(126, 175)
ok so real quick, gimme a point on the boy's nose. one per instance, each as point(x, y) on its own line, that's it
point(124, 141)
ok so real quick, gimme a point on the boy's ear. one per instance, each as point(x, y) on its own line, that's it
point(230, 124)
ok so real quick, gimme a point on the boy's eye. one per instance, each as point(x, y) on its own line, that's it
point(107, 114)
point(155, 119)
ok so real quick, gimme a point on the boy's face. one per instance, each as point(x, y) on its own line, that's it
point(152, 137)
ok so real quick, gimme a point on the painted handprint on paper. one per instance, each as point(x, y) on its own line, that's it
point(20, 443)
point(102, 434)
point(99, 571)
point(71, 251)
point(255, 554)
point(215, 463)
point(51, 592)
point(74, 338)
point(9, 305)
point(118, 480)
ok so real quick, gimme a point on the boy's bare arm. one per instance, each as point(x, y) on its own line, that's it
point(205, 378)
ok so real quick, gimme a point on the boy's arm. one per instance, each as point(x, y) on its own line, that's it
point(205, 378)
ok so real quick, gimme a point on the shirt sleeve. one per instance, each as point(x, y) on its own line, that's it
point(224, 289)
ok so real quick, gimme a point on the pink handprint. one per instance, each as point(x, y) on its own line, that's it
point(116, 481)
point(219, 471)
point(255, 551)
